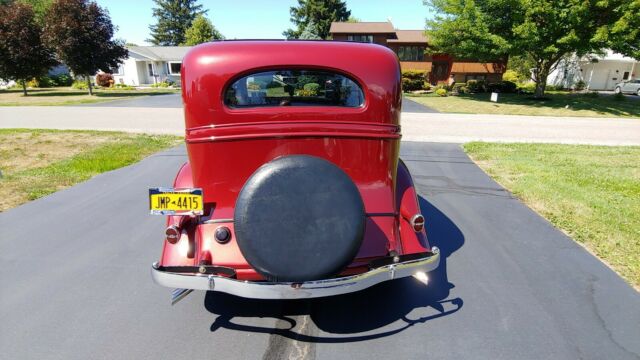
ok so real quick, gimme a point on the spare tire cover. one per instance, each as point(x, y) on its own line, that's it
point(299, 218)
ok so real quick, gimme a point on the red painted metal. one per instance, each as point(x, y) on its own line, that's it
point(226, 145)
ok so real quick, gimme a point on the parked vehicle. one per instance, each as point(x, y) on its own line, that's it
point(628, 87)
point(294, 187)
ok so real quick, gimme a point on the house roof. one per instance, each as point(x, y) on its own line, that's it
point(409, 36)
point(385, 27)
point(161, 53)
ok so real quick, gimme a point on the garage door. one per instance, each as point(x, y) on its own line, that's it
point(599, 80)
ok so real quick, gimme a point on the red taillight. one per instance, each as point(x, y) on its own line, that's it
point(417, 222)
point(172, 234)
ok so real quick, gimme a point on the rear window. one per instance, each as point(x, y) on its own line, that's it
point(294, 88)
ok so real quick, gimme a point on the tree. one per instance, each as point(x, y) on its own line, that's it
point(23, 56)
point(541, 31)
point(81, 33)
point(201, 31)
point(623, 35)
point(174, 17)
point(309, 32)
point(40, 8)
point(321, 12)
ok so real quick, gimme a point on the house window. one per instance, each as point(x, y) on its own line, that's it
point(625, 76)
point(119, 71)
point(174, 68)
point(361, 38)
point(150, 68)
point(475, 77)
point(411, 53)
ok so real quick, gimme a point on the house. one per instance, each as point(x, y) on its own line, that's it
point(410, 46)
point(148, 65)
point(599, 72)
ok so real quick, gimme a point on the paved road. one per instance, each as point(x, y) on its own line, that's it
point(429, 127)
point(75, 284)
point(153, 101)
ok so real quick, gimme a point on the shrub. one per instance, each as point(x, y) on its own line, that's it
point(441, 92)
point(312, 87)
point(412, 84)
point(104, 80)
point(80, 85)
point(123, 87)
point(414, 74)
point(503, 87)
point(162, 84)
point(592, 94)
point(46, 82)
point(476, 86)
point(62, 80)
point(460, 88)
point(273, 85)
point(580, 85)
point(511, 75)
point(528, 87)
point(414, 80)
point(33, 83)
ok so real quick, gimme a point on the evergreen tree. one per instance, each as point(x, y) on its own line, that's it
point(321, 12)
point(309, 32)
point(201, 31)
point(173, 17)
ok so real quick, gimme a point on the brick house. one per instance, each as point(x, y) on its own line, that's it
point(410, 46)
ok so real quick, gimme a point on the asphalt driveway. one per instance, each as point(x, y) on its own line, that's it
point(75, 284)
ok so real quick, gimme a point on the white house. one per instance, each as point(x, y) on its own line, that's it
point(151, 64)
point(599, 72)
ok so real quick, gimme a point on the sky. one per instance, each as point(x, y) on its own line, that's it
point(258, 19)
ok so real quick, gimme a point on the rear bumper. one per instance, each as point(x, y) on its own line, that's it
point(310, 289)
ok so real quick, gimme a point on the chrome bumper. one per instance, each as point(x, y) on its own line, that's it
point(310, 289)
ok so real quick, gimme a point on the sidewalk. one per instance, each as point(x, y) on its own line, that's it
point(453, 128)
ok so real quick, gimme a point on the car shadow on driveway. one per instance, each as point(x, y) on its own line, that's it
point(346, 316)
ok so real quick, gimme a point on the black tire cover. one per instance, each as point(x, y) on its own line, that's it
point(299, 218)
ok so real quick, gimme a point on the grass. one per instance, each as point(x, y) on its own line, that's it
point(35, 163)
point(68, 96)
point(590, 192)
point(558, 104)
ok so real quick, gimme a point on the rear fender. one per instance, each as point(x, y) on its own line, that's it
point(408, 206)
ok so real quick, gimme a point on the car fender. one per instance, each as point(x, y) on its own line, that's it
point(408, 206)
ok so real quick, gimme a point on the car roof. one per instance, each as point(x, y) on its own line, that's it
point(209, 68)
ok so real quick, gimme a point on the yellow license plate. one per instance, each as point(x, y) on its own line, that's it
point(168, 201)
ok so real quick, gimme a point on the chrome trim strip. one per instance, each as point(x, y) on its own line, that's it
point(311, 289)
point(217, 221)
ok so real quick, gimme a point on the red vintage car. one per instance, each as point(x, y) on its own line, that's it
point(294, 187)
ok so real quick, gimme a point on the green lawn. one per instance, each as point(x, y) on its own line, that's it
point(68, 96)
point(35, 163)
point(590, 192)
point(559, 104)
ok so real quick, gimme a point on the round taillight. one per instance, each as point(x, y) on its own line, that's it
point(417, 222)
point(172, 234)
